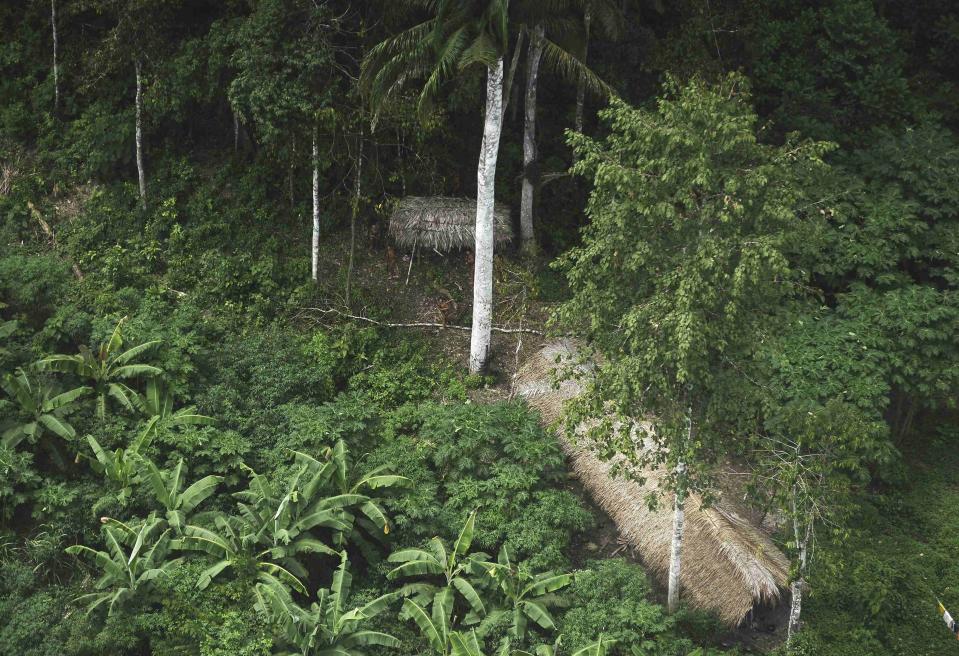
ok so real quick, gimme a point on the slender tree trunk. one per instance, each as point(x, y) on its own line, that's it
point(581, 83)
point(485, 197)
point(56, 66)
point(316, 208)
point(354, 211)
point(676, 547)
point(797, 587)
point(141, 173)
point(236, 130)
point(514, 64)
point(679, 519)
point(530, 163)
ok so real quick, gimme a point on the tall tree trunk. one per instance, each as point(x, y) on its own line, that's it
point(511, 75)
point(236, 130)
point(797, 587)
point(581, 83)
point(354, 210)
point(676, 547)
point(315, 159)
point(56, 66)
point(679, 518)
point(485, 197)
point(141, 173)
point(530, 163)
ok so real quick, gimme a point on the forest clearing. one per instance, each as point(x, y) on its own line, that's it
point(479, 327)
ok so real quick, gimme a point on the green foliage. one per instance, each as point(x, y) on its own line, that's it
point(282, 60)
point(445, 576)
point(527, 595)
point(494, 458)
point(327, 626)
point(830, 70)
point(118, 468)
point(456, 36)
point(844, 314)
point(168, 490)
point(686, 252)
point(40, 407)
point(135, 557)
point(613, 596)
point(106, 370)
point(875, 586)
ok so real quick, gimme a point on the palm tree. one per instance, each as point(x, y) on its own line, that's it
point(460, 34)
point(106, 369)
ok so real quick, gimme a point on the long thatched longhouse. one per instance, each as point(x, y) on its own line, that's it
point(443, 223)
point(729, 565)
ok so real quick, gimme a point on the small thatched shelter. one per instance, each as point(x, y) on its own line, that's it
point(729, 564)
point(443, 223)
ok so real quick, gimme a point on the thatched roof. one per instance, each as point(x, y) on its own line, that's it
point(729, 565)
point(443, 222)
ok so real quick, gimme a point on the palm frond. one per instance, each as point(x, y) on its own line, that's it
point(572, 69)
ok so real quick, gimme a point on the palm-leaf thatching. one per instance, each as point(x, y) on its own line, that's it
point(443, 223)
point(729, 564)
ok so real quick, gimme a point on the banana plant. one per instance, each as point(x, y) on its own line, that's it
point(327, 627)
point(288, 524)
point(452, 568)
point(118, 467)
point(270, 532)
point(599, 647)
point(527, 595)
point(168, 489)
point(42, 409)
point(442, 639)
point(157, 404)
point(233, 547)
point(364, 514)
point(106, 370)
point(135, 557)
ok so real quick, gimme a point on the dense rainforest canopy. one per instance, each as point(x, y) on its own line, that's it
point(240, 413)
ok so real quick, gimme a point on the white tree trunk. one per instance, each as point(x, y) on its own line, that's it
point(485, 196)
point(56, 67)
point(581, 83)
point(676, 547)
point(236, 130)
point(314, 269)
point(795, 609)
point(530, 178)
point(797, 586)
point(141, 173)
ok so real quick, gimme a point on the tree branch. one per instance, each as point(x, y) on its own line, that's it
point(416, 324)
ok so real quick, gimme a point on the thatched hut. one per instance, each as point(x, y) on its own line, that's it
point(443, 223)
point(729, 564)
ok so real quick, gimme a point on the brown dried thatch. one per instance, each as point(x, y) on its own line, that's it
point(729, 565)
point(443, 223)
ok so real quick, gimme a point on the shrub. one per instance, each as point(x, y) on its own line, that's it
point(612, 597)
